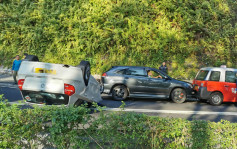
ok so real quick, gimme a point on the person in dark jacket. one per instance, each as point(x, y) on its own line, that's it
point(15, 67)
point(164, 68)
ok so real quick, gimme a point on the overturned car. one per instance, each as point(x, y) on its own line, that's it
point(57, 84)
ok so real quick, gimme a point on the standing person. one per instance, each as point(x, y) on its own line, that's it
point(15, 67)
point(164, 68)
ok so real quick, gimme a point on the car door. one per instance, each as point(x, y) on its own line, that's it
point(230, 93)
point(158, 85)
point(224, 82)
point(135, 79)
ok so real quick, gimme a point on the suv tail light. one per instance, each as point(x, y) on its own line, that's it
point(20, 83)
point(69, 89)
point(104, 74)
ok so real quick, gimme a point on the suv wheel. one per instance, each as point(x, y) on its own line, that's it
point(85, 67)
point(216, 99)
point(178, 95)
point(119, 92)
point(31, 58)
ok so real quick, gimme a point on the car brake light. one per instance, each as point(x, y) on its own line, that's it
point(69, 89)
point(104, 74)
point(20, 83)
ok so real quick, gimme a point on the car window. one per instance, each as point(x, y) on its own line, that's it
point(154, 74)
point(202, 75)
point(230, 76)
point(215, 76)
point(136, 72)
point(120, 71)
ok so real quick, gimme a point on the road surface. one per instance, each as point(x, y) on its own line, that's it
point(191, 109)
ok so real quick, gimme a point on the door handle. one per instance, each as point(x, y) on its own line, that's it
point(226, 85)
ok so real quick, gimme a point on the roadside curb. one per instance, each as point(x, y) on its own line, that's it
point(172, 111)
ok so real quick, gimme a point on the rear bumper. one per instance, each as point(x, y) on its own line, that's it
point(107, 88)
point(106, 85)
point(203, 93)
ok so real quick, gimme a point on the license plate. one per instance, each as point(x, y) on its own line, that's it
point(44, 70)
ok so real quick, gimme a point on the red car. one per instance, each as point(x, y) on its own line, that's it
point(216, 85)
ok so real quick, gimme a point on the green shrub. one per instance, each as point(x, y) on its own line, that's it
point(70, 127)
point(126, 32)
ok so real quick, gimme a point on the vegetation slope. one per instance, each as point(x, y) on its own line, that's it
point(188, 34)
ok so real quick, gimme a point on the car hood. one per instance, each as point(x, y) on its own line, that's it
point(180, 82)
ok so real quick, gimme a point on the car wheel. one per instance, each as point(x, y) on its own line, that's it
point(86, 71)
point(216, 99)
point(178, 95)
point(119, 92)
point(101, 88)
point(31, 58)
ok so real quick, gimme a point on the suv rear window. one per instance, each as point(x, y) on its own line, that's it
point(202, 75)
point(135, 72)
point(230, 76)
point(45, 98)
point(120, 71)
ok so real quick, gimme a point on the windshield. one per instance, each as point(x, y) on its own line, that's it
point(45, 98)
point(202, 75)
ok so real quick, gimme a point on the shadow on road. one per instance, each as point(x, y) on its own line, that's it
point(10, 92)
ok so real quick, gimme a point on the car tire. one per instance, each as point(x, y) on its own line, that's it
point(31, 58)
point(101, 88)
point(86, 70)
point(178, 95)
point(216, 99)
point(119, 92)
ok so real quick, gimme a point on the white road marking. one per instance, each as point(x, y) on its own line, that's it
point(172, 111)
point(18, 103)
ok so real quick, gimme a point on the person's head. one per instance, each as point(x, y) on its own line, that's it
point(163, 63)
point(17, 57)
point(149, 73)
point(25, 54)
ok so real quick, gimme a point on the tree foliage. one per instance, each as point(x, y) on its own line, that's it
point(187, 34)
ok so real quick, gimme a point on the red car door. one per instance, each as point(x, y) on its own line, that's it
point(230, 94)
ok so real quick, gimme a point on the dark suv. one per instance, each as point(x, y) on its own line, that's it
point(144, 82)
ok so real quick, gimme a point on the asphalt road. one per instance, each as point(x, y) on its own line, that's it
point(191, 109)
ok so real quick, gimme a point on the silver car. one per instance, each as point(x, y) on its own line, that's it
point(57, 84)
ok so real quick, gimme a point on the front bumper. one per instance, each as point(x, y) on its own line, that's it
point(191, 93)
